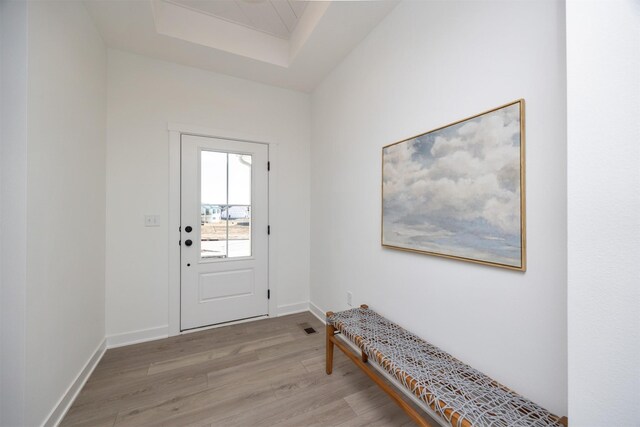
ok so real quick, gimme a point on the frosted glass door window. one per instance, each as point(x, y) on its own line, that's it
point(225, 191)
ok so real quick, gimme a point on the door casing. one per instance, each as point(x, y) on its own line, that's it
point(173, 221)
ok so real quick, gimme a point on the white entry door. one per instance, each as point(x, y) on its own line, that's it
point(224, 241)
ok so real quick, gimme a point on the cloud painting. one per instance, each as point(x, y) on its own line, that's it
point(456, 191)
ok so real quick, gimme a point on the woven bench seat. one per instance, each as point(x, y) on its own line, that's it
point(458, 393)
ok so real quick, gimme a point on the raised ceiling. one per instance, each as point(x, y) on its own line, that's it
point(276, 17)
point(213, 36)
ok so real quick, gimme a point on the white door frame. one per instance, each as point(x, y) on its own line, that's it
point(173, 222)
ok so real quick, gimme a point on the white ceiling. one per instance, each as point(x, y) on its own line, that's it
point(276, 17)
point(208, 34)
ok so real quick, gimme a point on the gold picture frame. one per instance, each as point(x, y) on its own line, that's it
point(458, 191)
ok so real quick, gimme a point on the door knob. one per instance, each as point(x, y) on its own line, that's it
point(188, 229)
point(188, 242)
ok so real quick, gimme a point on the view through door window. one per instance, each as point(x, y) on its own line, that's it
point(225, 195)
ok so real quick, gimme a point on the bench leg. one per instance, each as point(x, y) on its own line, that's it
point(412, 412)
point(331, 330)
point(364, 357)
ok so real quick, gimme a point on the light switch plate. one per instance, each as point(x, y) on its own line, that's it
point(152, 220)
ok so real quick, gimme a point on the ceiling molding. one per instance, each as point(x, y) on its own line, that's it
point(278, 18)
point(186, 24)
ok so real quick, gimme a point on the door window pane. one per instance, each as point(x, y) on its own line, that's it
point(225, 205)
point(213, 174)
point(239, 223)
point(239, 179)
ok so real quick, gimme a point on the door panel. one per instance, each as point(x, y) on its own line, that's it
point(224, 216)
point(226, 284)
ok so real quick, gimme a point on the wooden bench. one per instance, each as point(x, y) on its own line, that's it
point(461, 395)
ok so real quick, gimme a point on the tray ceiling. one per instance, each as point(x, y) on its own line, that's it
point(286, 43)
point(276, 17)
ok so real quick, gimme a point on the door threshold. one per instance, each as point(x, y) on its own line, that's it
point(219, 325)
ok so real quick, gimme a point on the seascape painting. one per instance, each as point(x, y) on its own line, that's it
point(458, 191)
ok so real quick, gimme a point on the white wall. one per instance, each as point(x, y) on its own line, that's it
point(143, 96)
point(2, 37)
point(65, 200)
point(603, 67)
point(428, 64)
point(13, 209)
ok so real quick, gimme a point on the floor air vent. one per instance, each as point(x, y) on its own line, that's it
point(307, 328)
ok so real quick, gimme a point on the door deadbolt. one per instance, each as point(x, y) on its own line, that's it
point(188, 242)
point(188, 229)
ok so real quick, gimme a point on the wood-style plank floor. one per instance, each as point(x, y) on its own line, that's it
point(263, 373)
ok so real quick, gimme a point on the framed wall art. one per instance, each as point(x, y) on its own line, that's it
point(459, 191)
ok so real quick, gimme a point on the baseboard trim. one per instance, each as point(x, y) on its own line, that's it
point(318, 312)
point(67, 399)
point(136, 337)
point(298, 307)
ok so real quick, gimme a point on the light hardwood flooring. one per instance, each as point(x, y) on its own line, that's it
point(263, 373)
